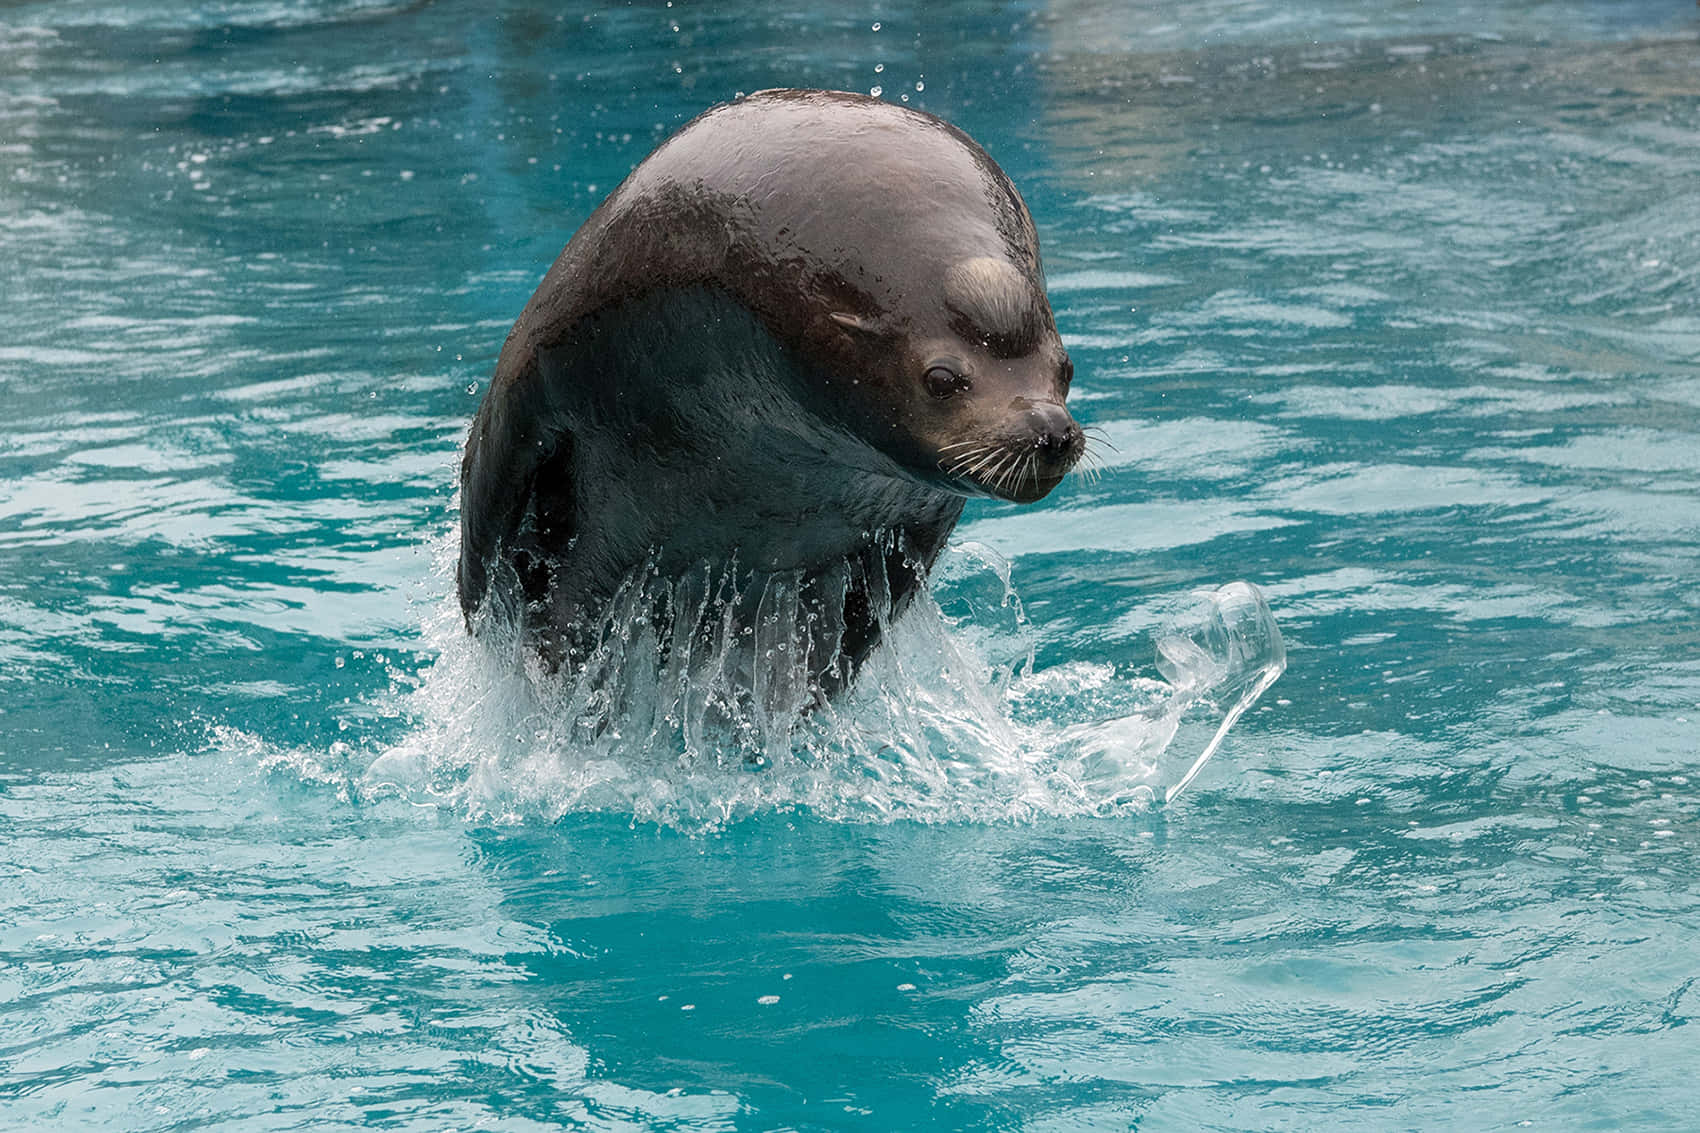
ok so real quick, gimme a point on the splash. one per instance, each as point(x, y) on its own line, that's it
point(688, 715)
point(1219, 652)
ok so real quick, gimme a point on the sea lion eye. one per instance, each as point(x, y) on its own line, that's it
point(942, 381)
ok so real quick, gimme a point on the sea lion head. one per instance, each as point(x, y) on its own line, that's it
point(900, 261)
point(893, 258)
point(974, 385)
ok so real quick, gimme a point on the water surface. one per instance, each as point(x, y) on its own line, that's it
point(1388, 309)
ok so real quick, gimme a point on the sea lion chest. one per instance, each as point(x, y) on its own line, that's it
point(695, 455)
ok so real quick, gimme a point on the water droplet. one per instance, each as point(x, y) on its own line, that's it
point(876, 91)
point(876, 25)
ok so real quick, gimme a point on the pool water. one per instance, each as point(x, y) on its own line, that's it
point(1390, 310)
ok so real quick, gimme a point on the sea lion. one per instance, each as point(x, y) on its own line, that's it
point(788, 347)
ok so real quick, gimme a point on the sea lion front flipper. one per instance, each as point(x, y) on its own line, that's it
point(547, 523)
point(518, 496)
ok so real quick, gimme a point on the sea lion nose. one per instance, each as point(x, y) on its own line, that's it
point(1054, 432)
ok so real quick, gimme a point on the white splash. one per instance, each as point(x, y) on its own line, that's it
point(947, 720)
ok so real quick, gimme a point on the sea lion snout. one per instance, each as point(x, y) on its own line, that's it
point(1055, 442)
point(1053, 429)
point(1021, 455)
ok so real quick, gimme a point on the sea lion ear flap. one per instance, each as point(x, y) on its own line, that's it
point(845, 305)
point(852, 322)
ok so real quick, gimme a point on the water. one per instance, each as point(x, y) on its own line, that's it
point(1389, 310)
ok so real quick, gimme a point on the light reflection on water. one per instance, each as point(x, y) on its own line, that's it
point(1387, 309)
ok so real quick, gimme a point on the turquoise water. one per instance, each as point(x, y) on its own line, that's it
point(1389, 309)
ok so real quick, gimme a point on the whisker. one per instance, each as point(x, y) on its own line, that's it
point(981, 465)
point(961, 459)
point(1089, 468)
point(954, 465)
point(1008, 470)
